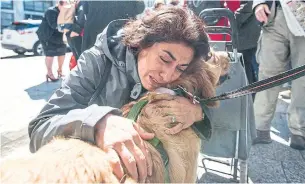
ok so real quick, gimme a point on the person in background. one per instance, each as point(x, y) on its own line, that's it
point(248, 34)
point(100, 13)
point(51, 40)
point(66, 16)
point(72, 23)
point(280, 46)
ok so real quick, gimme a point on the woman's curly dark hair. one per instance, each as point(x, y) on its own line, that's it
point(169, 24)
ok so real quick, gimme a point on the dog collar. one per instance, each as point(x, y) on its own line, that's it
point(133, 115)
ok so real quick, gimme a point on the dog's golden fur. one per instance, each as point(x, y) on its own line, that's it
point(74, 161)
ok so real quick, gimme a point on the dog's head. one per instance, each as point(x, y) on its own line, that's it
point(201, 77)
point(221, 60)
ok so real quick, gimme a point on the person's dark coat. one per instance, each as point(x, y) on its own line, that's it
point(71, 112)
point(100, 13)
point(47, 31)
point(248, 27)
point(75, 42)
point(80, 17)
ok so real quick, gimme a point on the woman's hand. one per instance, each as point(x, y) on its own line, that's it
point(181, 112)
point(74, 34)
point(122, 140)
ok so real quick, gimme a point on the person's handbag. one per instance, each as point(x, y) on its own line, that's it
point(73, 62)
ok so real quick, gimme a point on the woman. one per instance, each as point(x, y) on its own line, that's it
point(144, 54)
point(75, 33)
point(51, 40)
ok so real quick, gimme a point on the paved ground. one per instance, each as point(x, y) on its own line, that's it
point(24, 92)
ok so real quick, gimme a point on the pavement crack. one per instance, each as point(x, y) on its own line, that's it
point(282, 165)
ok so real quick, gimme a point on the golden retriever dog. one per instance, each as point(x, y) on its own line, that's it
point(75, 161)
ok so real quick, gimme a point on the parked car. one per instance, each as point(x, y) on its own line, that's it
point(21, 37)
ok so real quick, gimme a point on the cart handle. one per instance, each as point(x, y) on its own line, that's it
point(222, 12)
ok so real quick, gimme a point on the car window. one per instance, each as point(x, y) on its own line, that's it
point(32, 25)
point(18, 26)
point(21, 26)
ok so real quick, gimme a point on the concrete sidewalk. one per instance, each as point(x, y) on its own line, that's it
point(24, 93)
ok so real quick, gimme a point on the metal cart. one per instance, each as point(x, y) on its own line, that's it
point(233, 126)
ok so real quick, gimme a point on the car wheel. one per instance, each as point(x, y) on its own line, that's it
point(38, 49)
point(19, 52)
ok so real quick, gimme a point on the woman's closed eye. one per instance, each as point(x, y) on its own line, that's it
point(165, 60)
point(178, 68)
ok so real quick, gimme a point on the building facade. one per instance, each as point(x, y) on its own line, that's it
point(15, 10)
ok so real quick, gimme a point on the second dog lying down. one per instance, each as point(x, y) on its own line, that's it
point(74, 161)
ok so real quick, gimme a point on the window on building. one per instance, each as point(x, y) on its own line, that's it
point(6, 4)
point(34, 17)
point(37, 6)
point(6, 19)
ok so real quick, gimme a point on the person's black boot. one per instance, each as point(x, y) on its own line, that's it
point(263, 137)
point(297, 142)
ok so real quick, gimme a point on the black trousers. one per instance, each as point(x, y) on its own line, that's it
point(248, 55)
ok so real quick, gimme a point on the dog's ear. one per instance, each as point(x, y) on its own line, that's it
point(214, 72)
point(221, 60)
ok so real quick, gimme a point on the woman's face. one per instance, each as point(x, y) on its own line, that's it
point(163, 63)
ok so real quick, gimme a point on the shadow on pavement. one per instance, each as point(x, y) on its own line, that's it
point(43, 90)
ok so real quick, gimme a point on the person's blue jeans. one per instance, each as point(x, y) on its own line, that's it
point(61, 27)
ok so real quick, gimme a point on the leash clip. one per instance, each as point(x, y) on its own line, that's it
point(194, 98)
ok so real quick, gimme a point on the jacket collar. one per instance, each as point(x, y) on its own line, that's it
point(109, 41)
